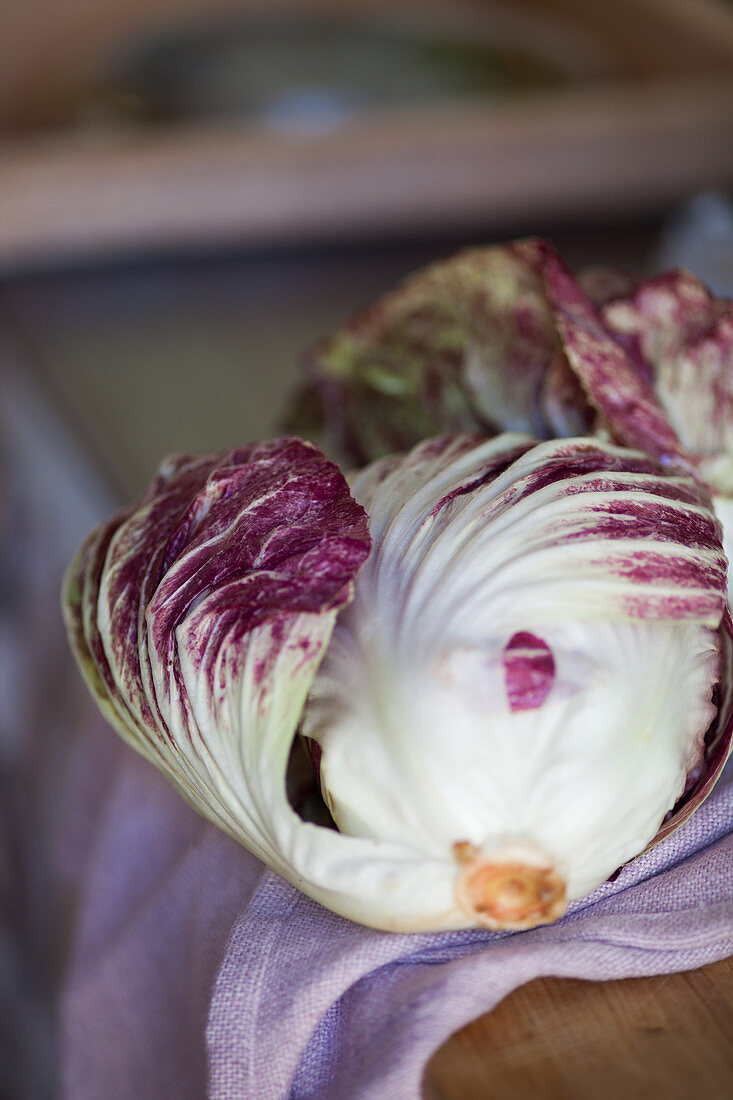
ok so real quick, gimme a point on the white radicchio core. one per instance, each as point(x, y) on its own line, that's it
point(523, 680)
point(508, 710)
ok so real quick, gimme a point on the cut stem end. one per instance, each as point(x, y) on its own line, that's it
point(508, 894)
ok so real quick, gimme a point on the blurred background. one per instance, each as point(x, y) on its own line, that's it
point(192, 191)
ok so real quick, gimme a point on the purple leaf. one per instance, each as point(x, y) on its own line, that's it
point(467, 344)
point(260, 535)
point(612, 383)
point(683, 336)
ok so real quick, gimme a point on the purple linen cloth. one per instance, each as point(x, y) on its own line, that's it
point(195, 971)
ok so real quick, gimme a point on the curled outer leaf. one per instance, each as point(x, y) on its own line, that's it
point(506, 338)
point(198, 617)
point(469, 343)
point(524, 678)
point(620, 393)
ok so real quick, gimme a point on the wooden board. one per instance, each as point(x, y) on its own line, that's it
point(52, 49)
point(667, 1037)
point(653, 125)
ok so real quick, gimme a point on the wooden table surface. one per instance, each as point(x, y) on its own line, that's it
point(668, 1036)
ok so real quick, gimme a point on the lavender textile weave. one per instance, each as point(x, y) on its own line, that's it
point(197, 972)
